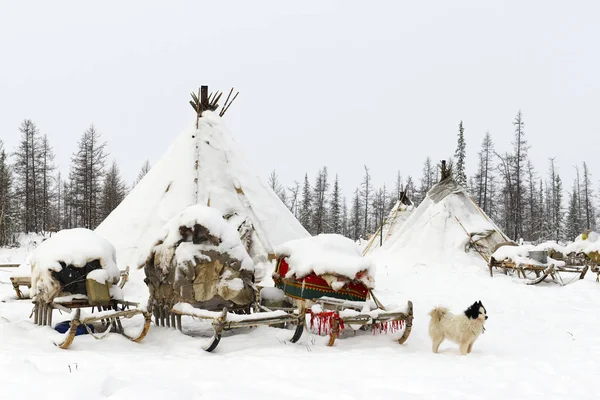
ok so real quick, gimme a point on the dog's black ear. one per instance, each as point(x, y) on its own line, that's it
point(473, 311)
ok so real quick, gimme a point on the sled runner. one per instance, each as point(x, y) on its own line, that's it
point(107, 318)
point(327, 277)
point(73, 270)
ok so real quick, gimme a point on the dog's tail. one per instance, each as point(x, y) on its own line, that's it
point(438, 313)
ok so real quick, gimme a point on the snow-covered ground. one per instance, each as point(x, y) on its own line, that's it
point(541, 342)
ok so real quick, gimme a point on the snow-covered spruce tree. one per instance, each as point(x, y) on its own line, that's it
point(344, 219)
point(356, 218)
point(530, 205)
point(7, 215)
point(47, 192)
point(28, 177)
point(459, 158)
point(87, 170)
point(380, 202)
point(542, 221)
point(306, 206)
point(506, 195)
point(573, 228)
point(589, 211)
point(113, 190)
point(410, 188)
point(484, 173)
point(293, 199)
point(67, 205)
point(519, 162)
point(335, 208)
point(277, 187)
point(395, 195)
point(427, 180)
point(556, 207)
point(319, 205)
point(57, 213)
point(366, 188)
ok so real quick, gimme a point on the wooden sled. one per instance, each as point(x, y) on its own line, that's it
point(345, 307)
point(541, 272)
point(339, 314)
point(107, 319)
point(227, 320)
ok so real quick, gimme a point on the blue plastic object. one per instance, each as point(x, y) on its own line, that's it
point(65, 325)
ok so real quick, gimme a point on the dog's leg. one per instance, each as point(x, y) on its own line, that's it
point(436, 342)
point(470, 347)
point(464, 348)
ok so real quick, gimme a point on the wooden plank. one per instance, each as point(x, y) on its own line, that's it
point(9, 265)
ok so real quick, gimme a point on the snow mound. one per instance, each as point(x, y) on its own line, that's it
point(74, 247)
point(587, 242)
point(326, 254)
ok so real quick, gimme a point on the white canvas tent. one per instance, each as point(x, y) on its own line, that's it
point(447, 227)
point(203, 166)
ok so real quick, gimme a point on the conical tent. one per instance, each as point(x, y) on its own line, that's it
point(203, 166)
point(392, 224)
point(447, 227)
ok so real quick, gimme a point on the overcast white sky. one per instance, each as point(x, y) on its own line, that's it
point(330, 83)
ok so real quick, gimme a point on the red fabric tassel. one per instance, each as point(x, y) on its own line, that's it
point(322, 323)
point(387, 327)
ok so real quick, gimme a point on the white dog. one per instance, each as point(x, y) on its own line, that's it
point(462, 329)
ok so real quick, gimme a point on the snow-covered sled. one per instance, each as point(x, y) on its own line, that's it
point(200, 268)
point(535, 263)
point(584, 251)
point(73, 270)
point(327, 277)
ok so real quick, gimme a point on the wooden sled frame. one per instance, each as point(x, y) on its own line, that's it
point(110, 319)
point(377, 317)
point(110, 312)
point(17, 282)
point(227, 320)
point(541, 272)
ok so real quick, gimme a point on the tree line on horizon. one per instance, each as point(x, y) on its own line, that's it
point(35, 197)
point(524, 203)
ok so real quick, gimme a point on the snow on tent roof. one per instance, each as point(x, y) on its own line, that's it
point(203, 166)
point(325, 254)
point(440, 230)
